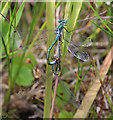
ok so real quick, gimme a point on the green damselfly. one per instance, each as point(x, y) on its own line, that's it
point(79, 53)
point(76, 49)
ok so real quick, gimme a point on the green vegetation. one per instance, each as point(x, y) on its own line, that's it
point(27, 30)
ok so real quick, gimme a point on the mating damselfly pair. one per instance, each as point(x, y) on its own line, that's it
point(61, 33)
point(76, 49)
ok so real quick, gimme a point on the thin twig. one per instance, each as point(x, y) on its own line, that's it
point(94, 18)
point(53, 101)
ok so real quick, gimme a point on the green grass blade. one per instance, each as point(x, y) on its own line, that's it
point(76, 6)
point(10, 82)
point(10, 25)
point(31, 28)
point(50, 8)
point(103, 29)
point(8, 63)
point(58, 3)
point(86, 72)
point(67, 10)
point(7, 97)
point(19, 13)
point(99, 17)
point(5, 48)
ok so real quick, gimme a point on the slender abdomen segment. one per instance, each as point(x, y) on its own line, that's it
point(48, 53)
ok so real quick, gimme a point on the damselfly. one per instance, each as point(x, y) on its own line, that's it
point(79, 53)
point(76, 49)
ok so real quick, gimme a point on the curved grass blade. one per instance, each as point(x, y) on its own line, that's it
point(94, 88)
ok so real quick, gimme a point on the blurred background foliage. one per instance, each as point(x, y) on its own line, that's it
point(23, 62)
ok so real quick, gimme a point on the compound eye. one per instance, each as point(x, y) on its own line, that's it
point(59, 20)
point(65, 21)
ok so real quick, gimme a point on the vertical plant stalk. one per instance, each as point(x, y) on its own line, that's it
point(92, 92)
point(71, 22)
point(67, 10)
point(7, 97)
point(10, 24)
point(50, 12)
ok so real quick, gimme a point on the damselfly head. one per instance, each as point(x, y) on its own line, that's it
point(61, 20)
